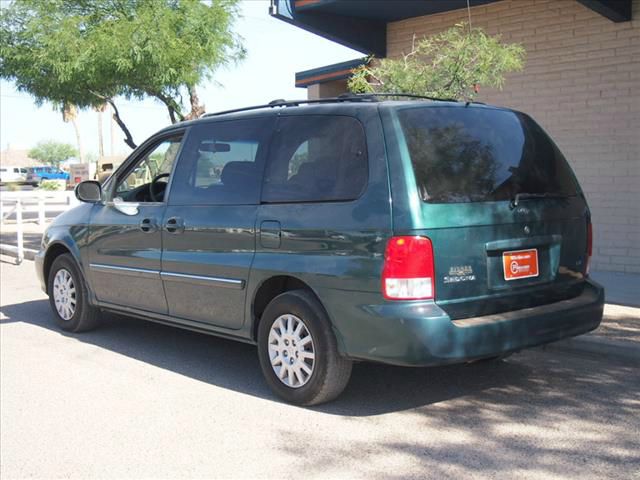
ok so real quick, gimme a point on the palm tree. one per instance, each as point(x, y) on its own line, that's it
point(70, 114)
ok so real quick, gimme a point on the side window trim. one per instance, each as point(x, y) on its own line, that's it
point(133, 160)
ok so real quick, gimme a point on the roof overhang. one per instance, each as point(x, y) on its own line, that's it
point(359, 24)
point(615, 10)
point(328, 73)
point(362, 24)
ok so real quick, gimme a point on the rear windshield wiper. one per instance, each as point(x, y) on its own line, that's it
point(526, 196)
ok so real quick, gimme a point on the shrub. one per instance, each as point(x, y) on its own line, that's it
point(452, 64)
point(52, 185)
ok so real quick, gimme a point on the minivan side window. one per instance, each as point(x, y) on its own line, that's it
point(147, 180)
point(222, 163)
point(316, 158)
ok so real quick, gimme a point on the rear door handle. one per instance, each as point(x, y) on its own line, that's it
point(148, 225)
point(174, 225)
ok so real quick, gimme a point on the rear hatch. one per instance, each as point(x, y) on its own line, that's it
point(498, 200)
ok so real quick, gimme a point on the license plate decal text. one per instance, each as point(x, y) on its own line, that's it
point(520, 264)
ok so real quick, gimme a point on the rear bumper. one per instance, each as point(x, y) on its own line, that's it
point(422, 334)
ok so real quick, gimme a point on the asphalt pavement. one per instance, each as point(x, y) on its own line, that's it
point(138, 400)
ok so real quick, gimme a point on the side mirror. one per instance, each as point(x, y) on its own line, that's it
point(89, 191)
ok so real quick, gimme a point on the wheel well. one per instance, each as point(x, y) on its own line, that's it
point(270, 289)
point(53, 252)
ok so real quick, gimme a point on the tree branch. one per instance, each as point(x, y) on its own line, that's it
point(172, 106)
point(128, 139)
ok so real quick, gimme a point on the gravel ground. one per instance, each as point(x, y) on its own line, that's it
point(138, 400)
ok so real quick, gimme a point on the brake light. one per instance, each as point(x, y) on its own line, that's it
point(408, 272)
point(589, 246)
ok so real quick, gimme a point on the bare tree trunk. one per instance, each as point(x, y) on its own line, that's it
point(70, 115)
point(112, 132)
point(100, 109)
point(197, 109)
point(74, 122)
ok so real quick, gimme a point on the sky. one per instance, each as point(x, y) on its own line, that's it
point(275, 51)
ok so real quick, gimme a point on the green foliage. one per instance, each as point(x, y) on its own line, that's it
point(83, 53)
point(52, 152)
point(447, 65)
point(52, 185)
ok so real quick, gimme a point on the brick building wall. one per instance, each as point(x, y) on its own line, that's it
point(581, 82)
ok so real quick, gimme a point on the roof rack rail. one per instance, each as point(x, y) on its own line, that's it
point(344, 97)
point(294, 103)
point(409, 95)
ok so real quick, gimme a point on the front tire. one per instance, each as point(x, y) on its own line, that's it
point(298, 351)
point(68, 296)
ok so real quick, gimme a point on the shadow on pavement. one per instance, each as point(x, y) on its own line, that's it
point(373, 390)
point(561, 418)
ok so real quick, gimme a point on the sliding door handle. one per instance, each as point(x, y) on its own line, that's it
point(148, 225)
point(174, 225)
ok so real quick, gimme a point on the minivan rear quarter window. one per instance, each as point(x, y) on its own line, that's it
point(478, 154)
point(316, 158)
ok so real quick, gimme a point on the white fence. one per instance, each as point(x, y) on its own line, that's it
point(17, 204)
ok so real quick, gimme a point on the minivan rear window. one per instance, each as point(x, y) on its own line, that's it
point(477, 154)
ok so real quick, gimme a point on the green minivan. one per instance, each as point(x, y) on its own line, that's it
point(413, 233)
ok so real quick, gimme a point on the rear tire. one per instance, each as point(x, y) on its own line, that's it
point(69, 298)
point(320, 373)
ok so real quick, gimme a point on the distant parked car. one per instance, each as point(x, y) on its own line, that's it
point(36, 175)
point(12, 175)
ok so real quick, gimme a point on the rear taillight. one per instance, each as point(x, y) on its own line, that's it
point(408, 272)
point(589, 246)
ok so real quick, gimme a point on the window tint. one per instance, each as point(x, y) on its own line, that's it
point(477, 154)
point(316, 159)
point(222, 163)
